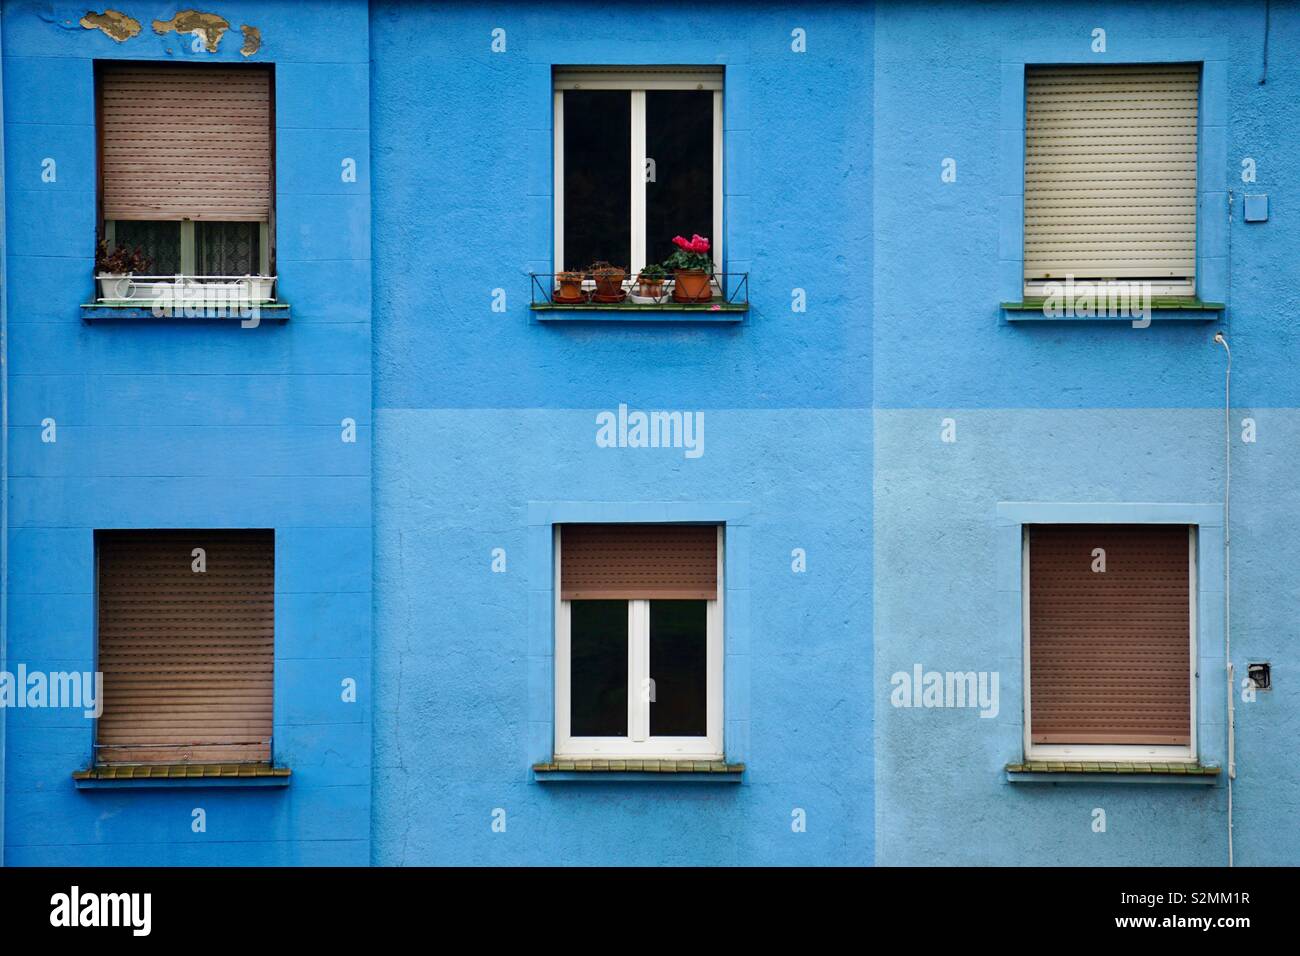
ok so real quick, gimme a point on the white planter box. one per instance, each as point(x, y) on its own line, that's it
point(214, 290)
point(123, 288)
point(260, 288)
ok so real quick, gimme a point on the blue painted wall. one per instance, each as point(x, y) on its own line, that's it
point(480, 413)
point(4, 453)
point(822, 433)
point(192, 425)
point(1077, 412)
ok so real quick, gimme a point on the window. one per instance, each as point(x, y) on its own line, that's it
point(1110, 623)
point(186, 172)
point(186, 623)
point(638, 664)
point(638, 160)
point(1110, 176)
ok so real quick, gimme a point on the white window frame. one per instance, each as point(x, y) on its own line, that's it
point(638, 82)
point(639, 744)
point(1143, 753)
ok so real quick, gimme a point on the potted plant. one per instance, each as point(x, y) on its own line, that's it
point(609, 280)
point(115, 269)
point(570, 286)
point(651, 281)
point(692, 269)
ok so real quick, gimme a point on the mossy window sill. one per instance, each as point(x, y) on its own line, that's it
point(170, 776)
point(1163, 309)
point(1105, 772)
point(716, 311)
point(119, 312)
point(646, 771)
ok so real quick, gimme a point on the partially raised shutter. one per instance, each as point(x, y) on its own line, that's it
point(1110, 651)
point(188, 656)
point(1110, 172)
point(185, 143)
point(637, 77)
point(638, 561)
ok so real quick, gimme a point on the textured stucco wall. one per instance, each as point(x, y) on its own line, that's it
point(939, 604)
point(936, 293)
point(456, 679)
point(826, 424)
point(185, 424)
point(479, 413)
point(463, 166)
point(1067, 412)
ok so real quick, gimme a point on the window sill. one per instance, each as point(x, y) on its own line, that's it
point(189, 776)
point(718, 311)
point(652, 771)
point(1104, 772)
point(123, 312)
point(1163, 309)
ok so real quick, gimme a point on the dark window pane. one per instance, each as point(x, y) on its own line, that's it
point(679, 668)
point(160, 242)
point(598, 668)
point(228, 248)
point(597, 177)
point(679, 138)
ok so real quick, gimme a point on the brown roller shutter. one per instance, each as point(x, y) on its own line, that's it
point(638, 561)
point(185, 143)
point(188, 658)
point(1110, 652)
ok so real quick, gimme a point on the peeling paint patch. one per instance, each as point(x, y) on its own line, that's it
point(210, 27)
point(112, 23)
point(252, 40)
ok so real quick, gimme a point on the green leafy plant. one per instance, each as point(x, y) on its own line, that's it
point(654, 271)
point(121, 260)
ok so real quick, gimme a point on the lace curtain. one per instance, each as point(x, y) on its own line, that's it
point(221, 248)
point(159, 241)
point(227, 248)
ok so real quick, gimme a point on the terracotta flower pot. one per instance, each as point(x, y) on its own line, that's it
point(651, 288)
point(609, 283)
point(692, 286)
point(570, 285)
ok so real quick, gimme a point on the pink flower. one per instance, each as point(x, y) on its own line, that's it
point(697, 243)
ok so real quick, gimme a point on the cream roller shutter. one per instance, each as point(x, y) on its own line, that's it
point(1110, 171)
point(637, 77)
point(183, 142)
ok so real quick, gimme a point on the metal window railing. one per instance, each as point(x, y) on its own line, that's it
point(582, 289)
